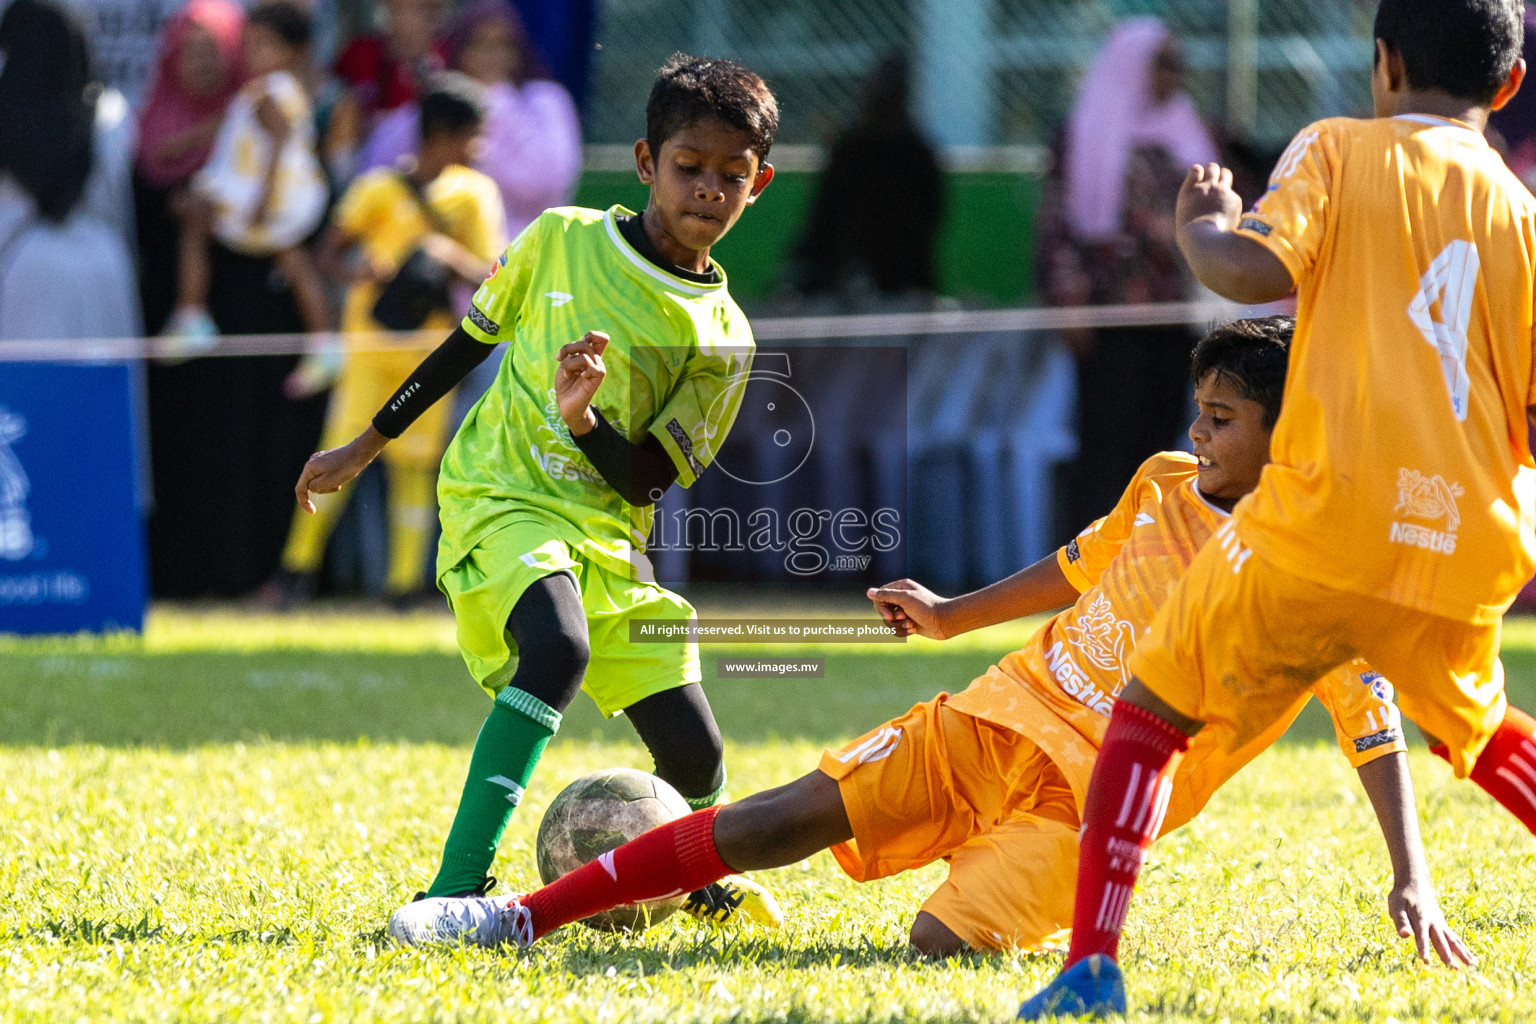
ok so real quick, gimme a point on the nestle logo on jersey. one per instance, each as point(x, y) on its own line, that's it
point(1422, 537)
point(1422, 496)
point(1075, 681)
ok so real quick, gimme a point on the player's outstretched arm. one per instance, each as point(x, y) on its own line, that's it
point(1231, 265)
point(912, 608)
point(438, 374)
point(1412, 905)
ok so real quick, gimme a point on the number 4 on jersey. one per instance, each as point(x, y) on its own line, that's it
point(1450, 280)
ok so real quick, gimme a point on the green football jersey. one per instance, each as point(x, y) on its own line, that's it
point(678, 361)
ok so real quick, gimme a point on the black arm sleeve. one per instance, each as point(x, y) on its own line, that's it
point(641, 473)
point(437, 375)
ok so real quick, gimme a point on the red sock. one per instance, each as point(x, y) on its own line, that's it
point(1506, 769)
point(1127, 798)
point(674, 858)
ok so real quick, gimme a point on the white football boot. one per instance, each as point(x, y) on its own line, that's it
point(473, 920)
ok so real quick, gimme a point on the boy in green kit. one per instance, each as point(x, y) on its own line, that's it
point(546, 492)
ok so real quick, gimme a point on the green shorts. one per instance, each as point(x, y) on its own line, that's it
point(484, 586)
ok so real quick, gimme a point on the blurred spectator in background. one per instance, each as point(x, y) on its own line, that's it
point(66, 204)
point(196, 74)
point(531, 146)
point(224, 438)
point(262, 191)
point(1107, 236)
point(532, 142)
point(407, 230)
point(874, 224)
point(1512, 130)
point(378, 73)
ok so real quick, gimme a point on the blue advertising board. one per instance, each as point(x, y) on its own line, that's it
point(72, 542)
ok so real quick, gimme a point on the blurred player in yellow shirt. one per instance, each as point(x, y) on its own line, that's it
point(992, 779)
point(440, 206)
point(1396, 519)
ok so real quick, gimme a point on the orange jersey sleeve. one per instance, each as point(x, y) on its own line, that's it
point(1291, 218)
point(1086, 556)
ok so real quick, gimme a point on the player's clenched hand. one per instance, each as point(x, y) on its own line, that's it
point(911, 608)
point(1207, 192)
point(580, 374)
point(334, 468)
point(1415, 911)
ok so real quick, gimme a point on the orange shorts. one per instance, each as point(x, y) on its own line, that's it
point(1235, 647)
point(938, 783)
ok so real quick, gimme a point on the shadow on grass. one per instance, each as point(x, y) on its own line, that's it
point(584, 958)
point(185, 700)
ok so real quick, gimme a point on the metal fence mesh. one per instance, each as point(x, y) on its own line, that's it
point(988, 72)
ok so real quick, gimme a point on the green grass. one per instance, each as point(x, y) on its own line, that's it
point(212, 822)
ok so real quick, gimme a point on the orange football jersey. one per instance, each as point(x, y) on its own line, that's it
point(1059, 689)
point(1401, 467)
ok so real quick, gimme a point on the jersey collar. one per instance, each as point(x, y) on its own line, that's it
point(650, 269)
point(1437, 122)
point(1194, 485)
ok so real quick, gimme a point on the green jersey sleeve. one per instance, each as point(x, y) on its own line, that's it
point(494, 310)
point(697, 416)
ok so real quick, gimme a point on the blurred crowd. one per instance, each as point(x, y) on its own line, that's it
point(255, 190)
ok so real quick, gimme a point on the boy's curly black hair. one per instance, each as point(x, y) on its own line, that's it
point(1462, 47)
point(1251, 355)
point(690, 89)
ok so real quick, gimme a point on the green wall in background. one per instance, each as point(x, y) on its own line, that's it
point(986, 248)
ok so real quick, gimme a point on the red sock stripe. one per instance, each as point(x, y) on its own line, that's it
point(677, 857)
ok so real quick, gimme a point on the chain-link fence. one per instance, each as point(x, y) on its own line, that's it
point(990, 72)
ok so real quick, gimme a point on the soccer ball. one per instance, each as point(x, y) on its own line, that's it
point(597, 813)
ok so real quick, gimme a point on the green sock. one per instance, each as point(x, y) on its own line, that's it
point(507, 750)
point(698, 803)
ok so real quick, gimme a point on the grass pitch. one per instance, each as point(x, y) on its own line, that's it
point(213, 823)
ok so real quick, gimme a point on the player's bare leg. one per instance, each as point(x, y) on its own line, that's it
point(810, 806)
point(1136, 693)
point(783, 825)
